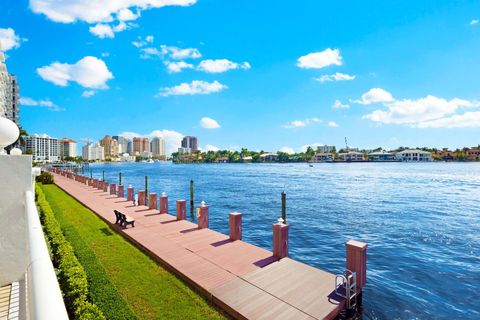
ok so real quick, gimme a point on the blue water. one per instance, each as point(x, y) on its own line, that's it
point(421, 222)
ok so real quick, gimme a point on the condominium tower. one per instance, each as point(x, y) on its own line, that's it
point(92, 152)
point(141, 145)
point(157, 147)
point(110, 147)
point(68, 148)
point(43, 147)
point(190, 143)
point(122, 144)
point(9, 92)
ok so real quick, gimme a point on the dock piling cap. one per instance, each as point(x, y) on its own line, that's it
point(357, 244)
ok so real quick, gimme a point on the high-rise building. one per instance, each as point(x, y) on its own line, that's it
point(140, 145)
point(93, 152)
point(43, 148)
point(190, 143)
point(9, 92)
point(122, 144)
point(110, 147)
point(68, 148)
point(157, 147)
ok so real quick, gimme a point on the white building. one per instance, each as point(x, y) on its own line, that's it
point(68, 148)
point(93, 152)
point(122, 144)
point(43, 147)
point(351, 156)
point(9, 92)
point(325, 149)
point(414, 155)
point(157, 147)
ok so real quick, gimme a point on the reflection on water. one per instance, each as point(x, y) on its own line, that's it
point(421, 222)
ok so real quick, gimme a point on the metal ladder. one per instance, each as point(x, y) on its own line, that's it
point(348, 282)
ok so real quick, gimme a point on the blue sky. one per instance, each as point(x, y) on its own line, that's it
point(261, 74)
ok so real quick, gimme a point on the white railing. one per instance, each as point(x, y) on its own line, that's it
point(44, 297)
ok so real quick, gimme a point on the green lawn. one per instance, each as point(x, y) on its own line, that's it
point(123, 281)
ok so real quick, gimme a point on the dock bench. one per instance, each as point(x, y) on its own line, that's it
point(123, 220)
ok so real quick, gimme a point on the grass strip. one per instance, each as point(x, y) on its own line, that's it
point(112, 263)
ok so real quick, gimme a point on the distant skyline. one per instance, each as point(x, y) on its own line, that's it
point(263, 75)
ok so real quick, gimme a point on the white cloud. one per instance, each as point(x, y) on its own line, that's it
point(374, 95)
point(127, 15)
point(9, 40)
point(173, 139)
point(149, 52)
point(221, 65)
point(335, 77)
point(339, 105)
point(26, 101)
point(287, 150)
point(209, 123)
point(100, 11)
point(194, 87)
point(177, 53)
point(466, 120)
point(102, 30)
point(429, 111)
point(474, 22)
point(317, 60)
point(209, 147)
point(89, 72)
point(174, 67)
point(88, 93)
point(143, 42)
point(302, 123)
point(333, 124)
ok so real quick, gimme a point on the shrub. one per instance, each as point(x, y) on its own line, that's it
point(72, 277)
point(45, 178)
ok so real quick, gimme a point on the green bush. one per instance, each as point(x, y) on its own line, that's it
point(71, 277)
point(45, 178)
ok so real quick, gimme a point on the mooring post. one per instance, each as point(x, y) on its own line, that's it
point(191, 199)
point(120, 191)
point(113, 188)
point(120, 179)
point(146, 191)
point(280, 239)
point(284, 207)
point(235, 224)
point(357, 262)
point(91, 173)
point(103, 175)
point(141, 198)
point(181, 209)
point(130, 194)
point(152, 201)
point(105, 186)
point(202, 216)
point(164, 203)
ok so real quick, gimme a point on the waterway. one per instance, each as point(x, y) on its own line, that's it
point(421, 222)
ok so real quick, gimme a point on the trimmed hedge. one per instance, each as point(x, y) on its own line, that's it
point(45, 178)
point(72, 277)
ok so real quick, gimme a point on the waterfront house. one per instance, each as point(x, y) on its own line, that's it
point(351, 156)
point(446, 155)
point(269, 157)
point(222, 160)
point(247, 159)
point(415, 155)
point(380, 156)
point(322, 157)
point(473, 154)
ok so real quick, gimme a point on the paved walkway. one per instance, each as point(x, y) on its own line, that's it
point(244, 280)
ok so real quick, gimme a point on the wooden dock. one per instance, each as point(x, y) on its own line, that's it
point(244, 280)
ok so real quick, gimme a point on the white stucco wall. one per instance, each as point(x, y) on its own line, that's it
point(15, 180)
